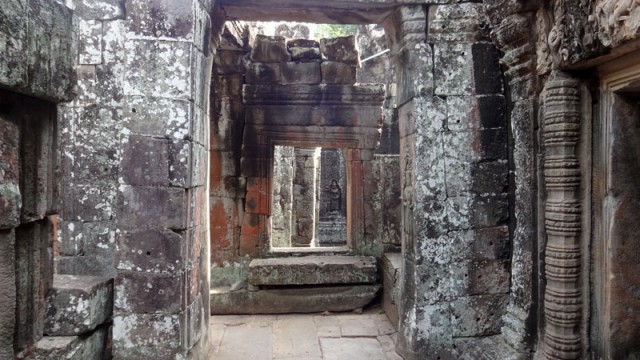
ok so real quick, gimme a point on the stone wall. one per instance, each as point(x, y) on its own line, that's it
point(36, 38)
point(134, 144)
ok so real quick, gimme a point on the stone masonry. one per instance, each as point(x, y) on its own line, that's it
point(497, 150)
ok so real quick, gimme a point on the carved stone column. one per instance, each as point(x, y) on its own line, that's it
point(562, 298)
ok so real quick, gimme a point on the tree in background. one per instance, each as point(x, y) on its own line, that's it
point(334, 30)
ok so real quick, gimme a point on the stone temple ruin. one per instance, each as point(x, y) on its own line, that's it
point(160, 164)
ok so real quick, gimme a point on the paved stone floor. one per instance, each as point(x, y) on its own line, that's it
point(336, 336)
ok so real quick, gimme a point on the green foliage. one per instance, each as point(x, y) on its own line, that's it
point(335, 30)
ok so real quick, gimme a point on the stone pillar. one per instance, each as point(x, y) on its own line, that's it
point(513, 35)
point(283, 170)
point(304, 197)
point(454, 169)
point(563, 219)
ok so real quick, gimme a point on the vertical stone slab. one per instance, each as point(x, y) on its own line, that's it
point(304, 197)
point(8, 294)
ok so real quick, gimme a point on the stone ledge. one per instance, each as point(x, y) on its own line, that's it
point(359, 94)
point(313, 270)
point(78, 304)
point(90, 347)
point(292, 300)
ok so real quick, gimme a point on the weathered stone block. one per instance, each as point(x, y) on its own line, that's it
point(478, 315)
point(269, 49)
point(138, 204)
point(300, 73)
point(158, 68)
point(8, 295)
point(415, 77)
point(145, 161)
point(149, 293)
point(180, 152)
point(91, 203)
point(311, 270)
point(476, 112)
point(264, 73)
point(90, 42)
point(480, 145)
point(224, 222)
point(466, 212)
point(392, 277)
point(13, 36)
point(342, 49)
point(154, 250)
point(10, 197)
point(293, 300)
point(334, 72)
point(78, 304)
point(457, 23)
point(305, 53)
point(90, 347)
point(100, 9)
point(487, 74)
point(89, 265)
point(453, 69)
point(158, 117)
point(161, 18)
point(146, 336)
point(303, 43)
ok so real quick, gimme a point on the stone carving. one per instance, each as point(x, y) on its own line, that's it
point(562, 298)
point(335, 196)
point(616, 20)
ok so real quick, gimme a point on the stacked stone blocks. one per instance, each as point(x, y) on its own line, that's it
point(454, 164)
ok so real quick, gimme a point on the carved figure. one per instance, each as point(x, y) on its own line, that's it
point(335, 195)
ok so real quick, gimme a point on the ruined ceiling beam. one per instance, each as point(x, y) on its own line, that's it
point(314, 11)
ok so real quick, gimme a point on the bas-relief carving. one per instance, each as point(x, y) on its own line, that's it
point(571, 31)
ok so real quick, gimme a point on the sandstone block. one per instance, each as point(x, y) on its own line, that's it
point(78, 304)
point(100, 9)
point(305, 53)
point(8, 298)
point(456, 23)
point(136, 205)
point(145, 161)
point(90, 42)
point(146, 336)
point(486, 69)
point(392, 277)
point(300, 73)
point(148, 293)
point(10, 197)
point(157, 117)
point(91, 347)
point(310, 270)
point(295, 300)
point(270, 49)
point(453, 69)
point(177, 18)
point(478, 315)
point(334, 72)
point(341, 49)
point(264, 73)
point(302, 43)
point(153, 250)
point(90, 265)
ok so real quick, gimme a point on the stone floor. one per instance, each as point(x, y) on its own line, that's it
point(335, 336)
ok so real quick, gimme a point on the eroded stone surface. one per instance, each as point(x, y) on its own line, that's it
point(313, 270)
point(78, 304)
point(295, 300)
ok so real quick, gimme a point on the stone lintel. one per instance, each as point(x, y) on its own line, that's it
point(293, 300)
point(323, 94)
point(312, 270)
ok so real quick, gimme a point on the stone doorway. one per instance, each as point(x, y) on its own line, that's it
point(616, 198)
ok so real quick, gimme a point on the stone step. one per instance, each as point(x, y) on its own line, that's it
point(84, 347)
point(292, 300)
point(313, 270)
point(78, 304)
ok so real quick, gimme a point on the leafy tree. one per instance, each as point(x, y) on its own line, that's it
point(335, 30)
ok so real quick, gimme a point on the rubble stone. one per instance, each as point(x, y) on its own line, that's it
point(341, 49)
